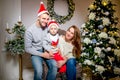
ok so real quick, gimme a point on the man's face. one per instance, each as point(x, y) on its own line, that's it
point(43, 20)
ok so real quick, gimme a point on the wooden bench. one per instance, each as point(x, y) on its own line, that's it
point(59, 76)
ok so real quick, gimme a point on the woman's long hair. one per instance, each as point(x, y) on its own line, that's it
point(76, 41)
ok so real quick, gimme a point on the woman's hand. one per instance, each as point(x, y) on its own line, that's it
point(62, 62)
point(65, 58)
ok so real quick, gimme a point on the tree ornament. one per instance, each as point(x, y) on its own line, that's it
point(97, 30)
point(110, 33)
point(116, 34)
point(118, 47)
point(112, 49)
point(86, 29)
point(92, 7)
point(105, 29)
point(104, 3)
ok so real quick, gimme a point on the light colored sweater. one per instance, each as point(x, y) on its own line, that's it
point(66, 48)
point(34, 39)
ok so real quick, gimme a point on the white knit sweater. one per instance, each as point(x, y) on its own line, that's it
point(66, 48)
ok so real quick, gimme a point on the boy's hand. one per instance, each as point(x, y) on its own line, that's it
point(59, 51)
point(51, 53)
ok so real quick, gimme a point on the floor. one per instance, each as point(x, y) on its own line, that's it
point(28, 74)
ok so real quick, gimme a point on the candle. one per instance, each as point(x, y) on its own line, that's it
point(19, 18)
point(7, 26)
point(6, 39)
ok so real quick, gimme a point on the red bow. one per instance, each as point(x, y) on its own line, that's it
point(54, 43)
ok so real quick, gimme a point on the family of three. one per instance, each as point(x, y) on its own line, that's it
point(43, 42)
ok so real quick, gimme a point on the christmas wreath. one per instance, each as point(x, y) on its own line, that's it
point(61, 19)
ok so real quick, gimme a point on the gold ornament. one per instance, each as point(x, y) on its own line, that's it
point(118, 47)
point(109, 68)
point(109, 32)
point(92, 6)
point(116, 34)
point(86, 30)
point(97, 30)
point(105, 29)
point(112, 49)
point(104, 3)
point(112, 33)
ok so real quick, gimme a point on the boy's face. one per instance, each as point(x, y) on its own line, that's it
point(53, 29)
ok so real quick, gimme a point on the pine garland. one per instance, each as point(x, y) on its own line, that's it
point(16, 46)
point(61, 19)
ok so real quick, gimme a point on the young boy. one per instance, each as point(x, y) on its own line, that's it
point(50, 44)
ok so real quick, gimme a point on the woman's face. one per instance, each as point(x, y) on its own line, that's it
point(69, 34)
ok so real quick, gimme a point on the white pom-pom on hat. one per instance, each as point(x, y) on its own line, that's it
point(42, 9)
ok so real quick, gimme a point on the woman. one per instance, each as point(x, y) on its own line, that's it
point(70, 49)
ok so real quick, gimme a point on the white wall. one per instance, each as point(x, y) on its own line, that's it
point(10, 10)
point(29, 13)
point(0, 17)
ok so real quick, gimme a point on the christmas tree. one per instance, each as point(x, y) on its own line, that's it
point(16, 45)
point(101, 40)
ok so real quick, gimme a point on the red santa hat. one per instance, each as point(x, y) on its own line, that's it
point(53, 22)
point(42, 9)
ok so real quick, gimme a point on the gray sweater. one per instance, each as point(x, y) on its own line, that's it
point(34, 39)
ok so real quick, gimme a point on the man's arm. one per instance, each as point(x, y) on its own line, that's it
point(30, 49)
point(46, 43)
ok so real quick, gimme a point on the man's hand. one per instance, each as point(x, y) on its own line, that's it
point(46, 55)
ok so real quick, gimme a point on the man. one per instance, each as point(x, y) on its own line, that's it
point(33, 44)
